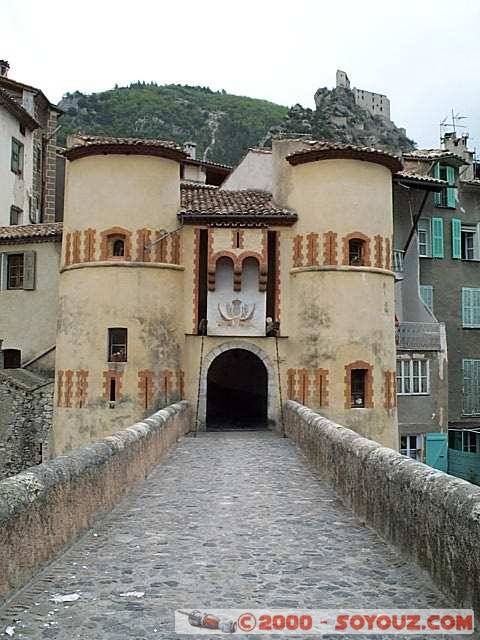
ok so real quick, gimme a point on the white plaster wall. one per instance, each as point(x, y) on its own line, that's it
point(224, 302)
point(14, 190)
point(253, 172)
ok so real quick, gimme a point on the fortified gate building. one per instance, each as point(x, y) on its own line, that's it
point(234, 300)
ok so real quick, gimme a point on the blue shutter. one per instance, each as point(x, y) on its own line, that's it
point(436, 450)
point(471, 387)
point(451, 189)
point(437, 238)
point(456, 238)
point(426, 293)
point(471, 307)
point(437, 197)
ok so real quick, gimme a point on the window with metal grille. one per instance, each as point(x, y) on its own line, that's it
point(471, 307)
point(117, 345)
point(413, 377)
point(16, 159)
point(15, 271)
point(471, 387)
point(356, 250)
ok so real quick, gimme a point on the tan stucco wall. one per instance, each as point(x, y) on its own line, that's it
point(28, 318)
point(145, 298)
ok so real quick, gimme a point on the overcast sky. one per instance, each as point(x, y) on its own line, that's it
point(423, 54)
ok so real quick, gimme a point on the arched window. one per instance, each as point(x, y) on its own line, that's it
point(356, 252)
point(118, 247)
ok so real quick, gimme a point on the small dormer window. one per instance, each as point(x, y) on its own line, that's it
point(118, 248)
point(447, 197)
point(356, 252)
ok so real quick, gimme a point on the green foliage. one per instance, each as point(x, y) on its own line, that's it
point(225, 124)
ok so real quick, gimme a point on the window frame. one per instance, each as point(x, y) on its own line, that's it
point(475, 384)
point(473, 230)
point(403, 377)
point(362, 393)
point(428, 298)
point(408, 449)
point(122, 345)
point(472, 310)
point(15, 211)
point(425, 225)
point(8, 279)
point(17, 157)
point(358, 245)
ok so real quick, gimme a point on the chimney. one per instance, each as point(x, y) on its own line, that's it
point(190, 149)
point(4, 67)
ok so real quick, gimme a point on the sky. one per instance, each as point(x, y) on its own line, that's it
point(423, 54)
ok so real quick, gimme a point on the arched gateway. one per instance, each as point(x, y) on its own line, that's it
point(237, 388)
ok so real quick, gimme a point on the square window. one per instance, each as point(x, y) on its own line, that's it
point(413, 377)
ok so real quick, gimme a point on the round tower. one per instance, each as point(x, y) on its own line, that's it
point(121, 282)
point(341, 324)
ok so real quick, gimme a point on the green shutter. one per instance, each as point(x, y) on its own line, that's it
point(471, 307)
point(471, 387)
point(426, 293)
point(437, 197)
point(451, 189)
point(450, 175)
point(456, 238)
point(437, 238)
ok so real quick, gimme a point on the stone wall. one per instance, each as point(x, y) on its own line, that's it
point(36, 515)
point(26, 409)
point(430, 516)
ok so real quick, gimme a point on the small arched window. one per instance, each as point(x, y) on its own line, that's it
point(118, 248)
point(356, 252)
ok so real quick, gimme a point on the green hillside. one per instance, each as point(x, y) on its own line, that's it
point(221, 124)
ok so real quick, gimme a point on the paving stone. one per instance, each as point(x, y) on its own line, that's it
point(226, 520)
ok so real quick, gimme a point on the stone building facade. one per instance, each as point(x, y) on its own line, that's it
point(376, 103)
point(233, 300)
point(34, 141)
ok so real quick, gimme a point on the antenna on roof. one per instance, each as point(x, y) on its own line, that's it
point(453, 124)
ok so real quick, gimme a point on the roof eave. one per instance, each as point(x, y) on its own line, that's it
point(420, 184)
point(266, 218)
point(314, 155)
point(85, 150)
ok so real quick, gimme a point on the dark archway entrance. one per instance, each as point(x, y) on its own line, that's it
point(237, 391)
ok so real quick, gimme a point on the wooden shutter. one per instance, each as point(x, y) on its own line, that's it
point(471, 307)
point(426, 293)
point(456, 238)
point(29, 270)
point(437, 238)
point(471, 387)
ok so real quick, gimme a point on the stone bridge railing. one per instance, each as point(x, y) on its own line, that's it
point(430, 516)
point(46, 507)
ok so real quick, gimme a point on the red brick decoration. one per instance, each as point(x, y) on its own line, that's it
point(68, 395)
point(378, 251)
point(108, 376)
point(303, 385)
point(359, 364)
point(82, 388)
point(238, 238)
point(330, 248)
point(161, 246)
point(321, 387)
point(59, 388)
point(312, 249)
point(291, 384)
point(196, 278)
point(277, 279)
point(388, 254)
point(389, 386)
point(68, 249)
point(166, 385)
point(175, 248)
point(356, 235)
point(180, 383)
point(144, 253)
point(106, 241)
point(76, 242)
point(89, 245)
point(145, 388)
point(297, 257)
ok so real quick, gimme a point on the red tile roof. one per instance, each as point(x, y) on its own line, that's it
point(30, 232)
point(207, 202)
point(432, 154)
point(422, 180)
point(322, 150)
point(99, 145)
point(17, 111)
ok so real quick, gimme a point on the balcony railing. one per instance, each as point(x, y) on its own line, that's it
point(418, 336)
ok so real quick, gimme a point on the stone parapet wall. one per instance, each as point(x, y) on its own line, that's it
point(48, 506)
point(430, 516)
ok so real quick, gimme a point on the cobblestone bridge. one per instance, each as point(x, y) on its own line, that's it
point(226, 520)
